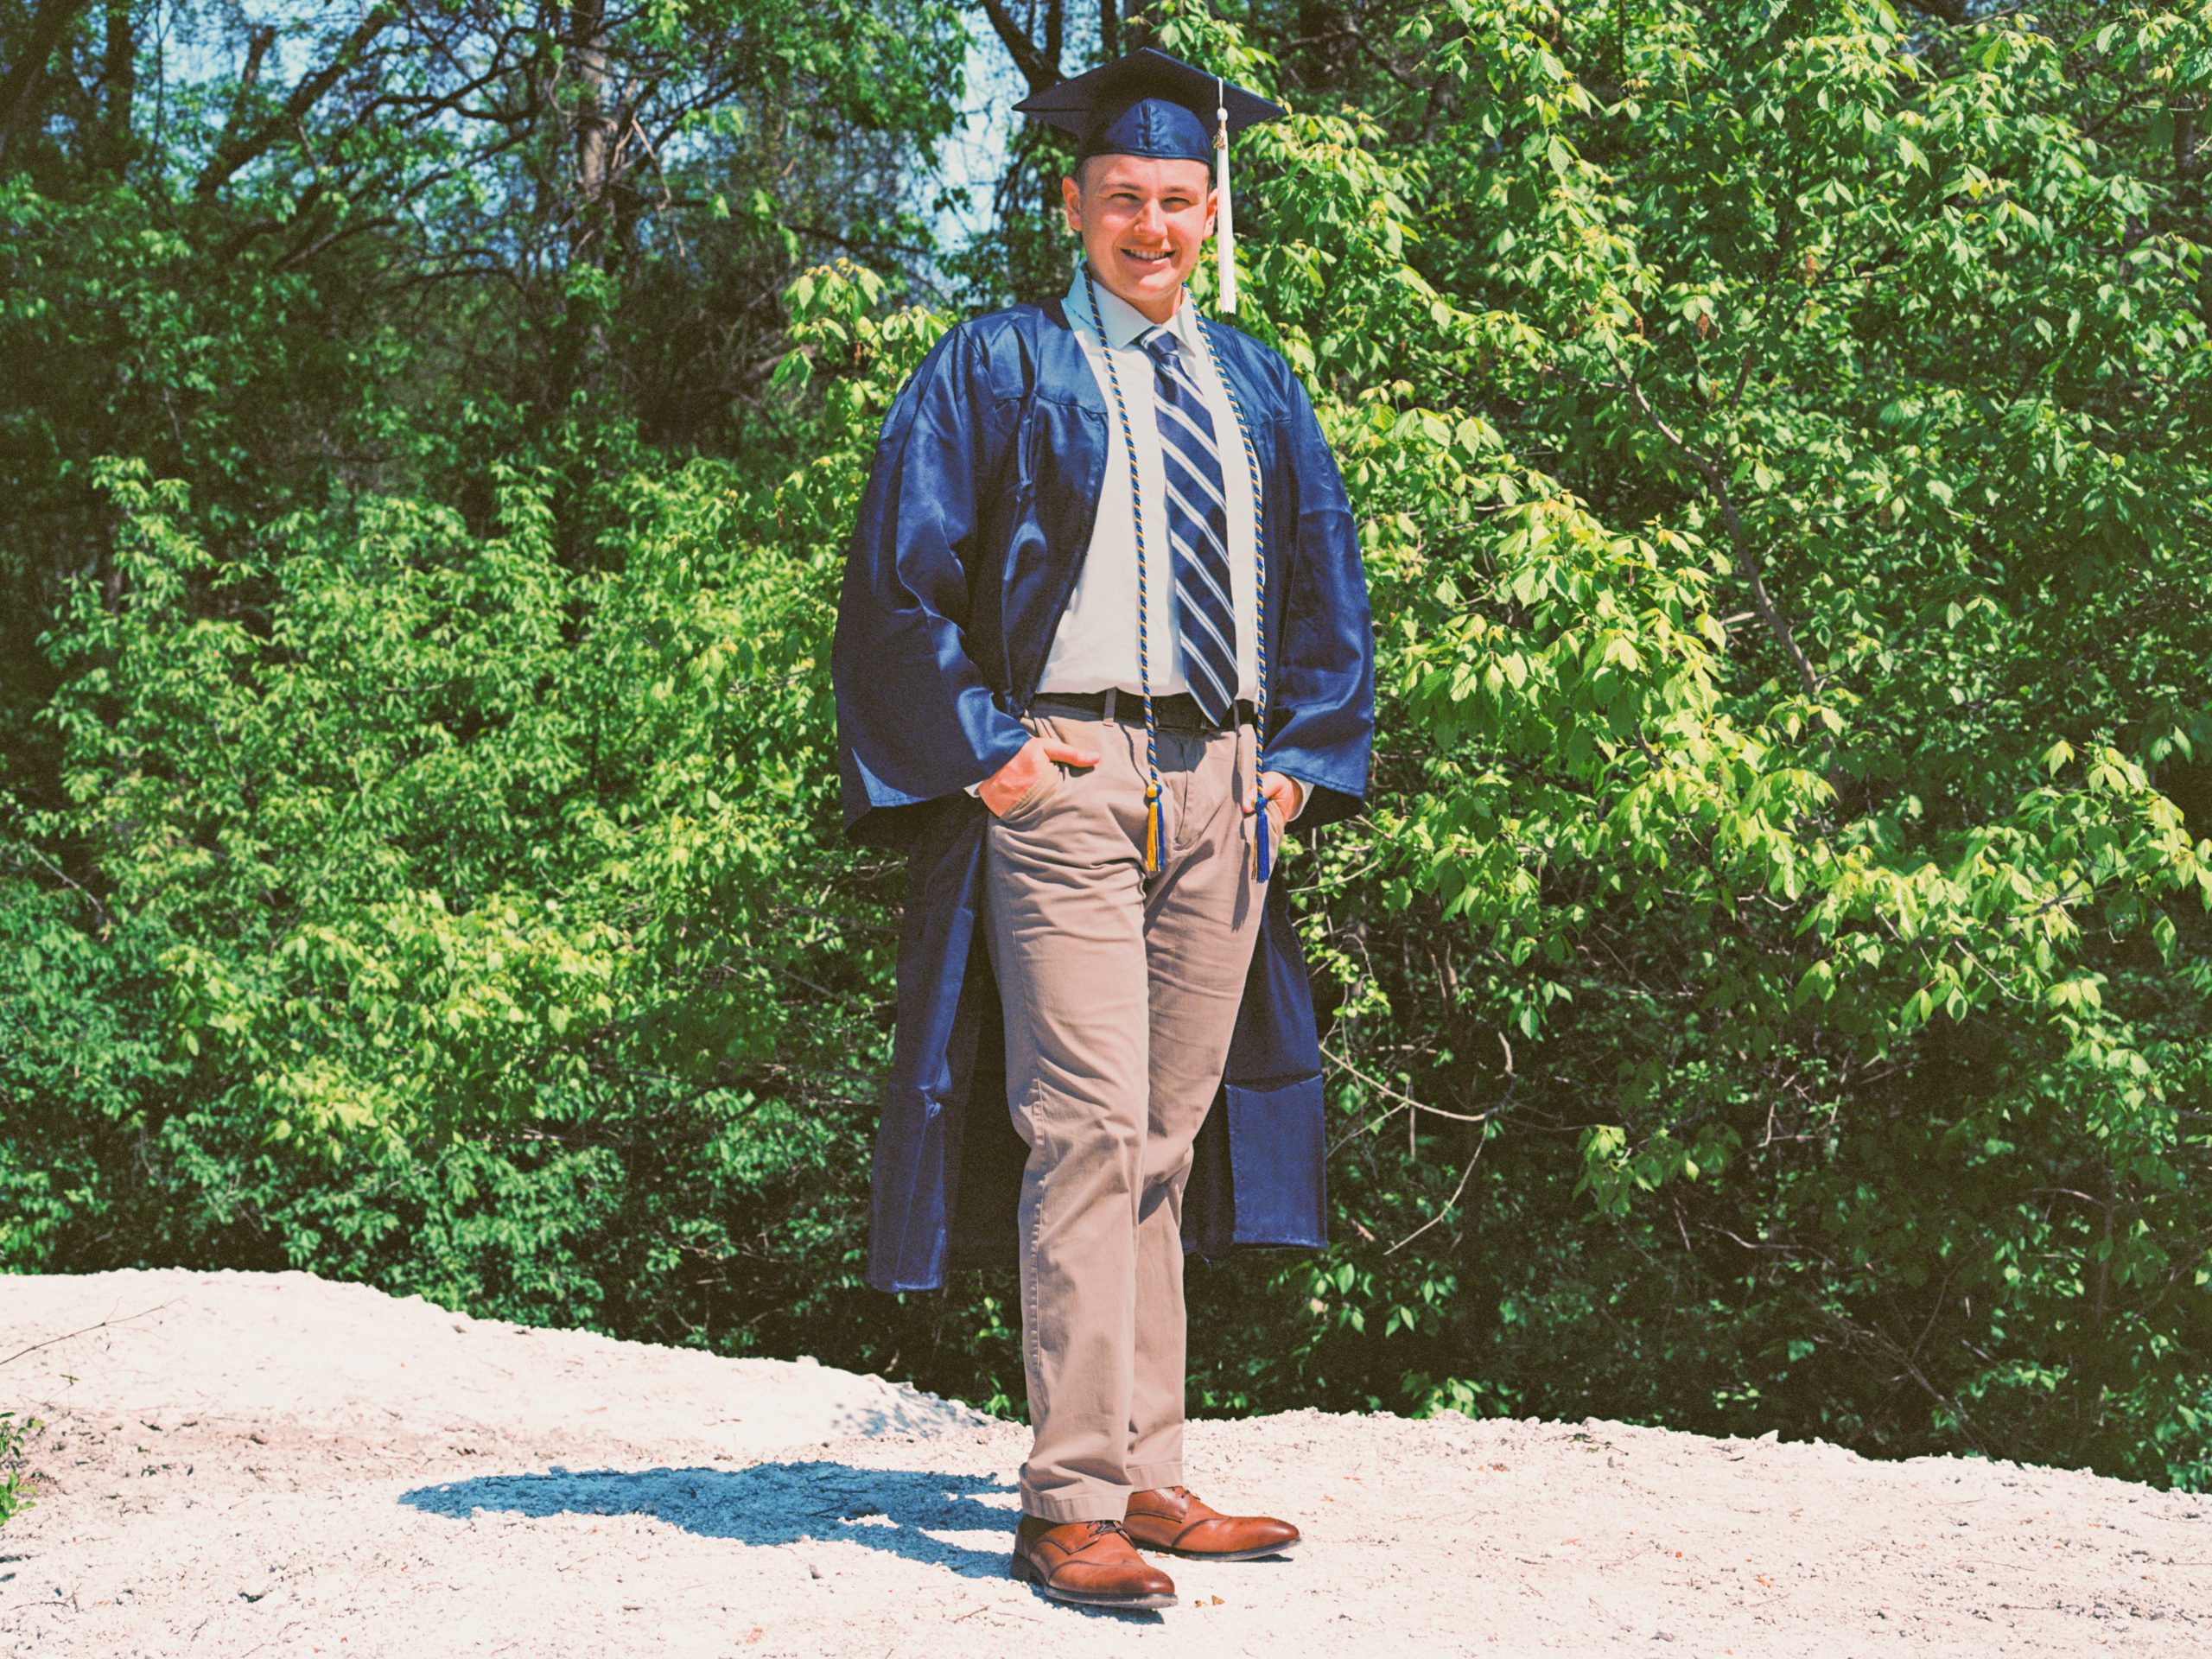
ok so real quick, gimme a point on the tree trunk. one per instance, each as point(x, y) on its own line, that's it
point(580, 333)
point(22, 89)
point(594, 127)
point(119, 89)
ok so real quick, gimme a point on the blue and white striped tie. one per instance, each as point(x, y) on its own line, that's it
point(1198, 527)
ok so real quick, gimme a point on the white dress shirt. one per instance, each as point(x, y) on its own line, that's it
point(1096, 645)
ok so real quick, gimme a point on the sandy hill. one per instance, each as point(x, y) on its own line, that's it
point(248, 1464)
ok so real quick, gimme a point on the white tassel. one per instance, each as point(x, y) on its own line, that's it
point(1224, 226)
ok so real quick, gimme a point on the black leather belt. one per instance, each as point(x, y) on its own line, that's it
point(1176, 711)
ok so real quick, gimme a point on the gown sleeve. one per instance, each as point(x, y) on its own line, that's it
point(1324, 682)
point(916, 719)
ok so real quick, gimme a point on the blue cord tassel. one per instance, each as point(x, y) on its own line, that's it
point(1262, 862)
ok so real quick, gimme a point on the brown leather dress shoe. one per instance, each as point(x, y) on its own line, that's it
point(1170, 1518)
point(1090, 1563)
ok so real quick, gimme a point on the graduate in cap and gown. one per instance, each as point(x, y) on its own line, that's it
point(1103, 637)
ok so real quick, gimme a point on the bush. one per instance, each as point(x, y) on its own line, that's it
point(14, 1486)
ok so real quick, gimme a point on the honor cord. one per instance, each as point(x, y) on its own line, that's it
point(1262, 860)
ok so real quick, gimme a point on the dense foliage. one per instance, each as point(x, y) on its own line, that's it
point(1768, 988)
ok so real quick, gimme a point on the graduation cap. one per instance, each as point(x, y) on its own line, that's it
point(1148, 104)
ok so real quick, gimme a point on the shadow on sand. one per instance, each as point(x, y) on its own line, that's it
point(900, 1510)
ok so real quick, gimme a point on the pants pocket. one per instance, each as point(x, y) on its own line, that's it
point(1034, 796)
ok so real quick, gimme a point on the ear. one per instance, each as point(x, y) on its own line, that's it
point(1072, 203)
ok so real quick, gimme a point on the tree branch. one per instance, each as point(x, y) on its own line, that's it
point(88, 1329)
point(1747, 559)
point(233, 153)
point(1037, 69)
point(257, 49)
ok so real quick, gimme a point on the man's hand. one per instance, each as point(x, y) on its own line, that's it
point(1013, 780)
point(1284, 791)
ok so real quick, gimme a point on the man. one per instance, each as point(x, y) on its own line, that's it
point(1103, 635)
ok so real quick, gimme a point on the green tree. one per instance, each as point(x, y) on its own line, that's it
point(1766, 989)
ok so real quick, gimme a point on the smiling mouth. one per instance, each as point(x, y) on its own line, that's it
point(1163, 257)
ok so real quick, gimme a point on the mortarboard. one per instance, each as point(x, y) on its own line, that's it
point(1148, 104)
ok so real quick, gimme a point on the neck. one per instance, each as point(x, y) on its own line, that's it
point(1151, 310)
point(1159, 310)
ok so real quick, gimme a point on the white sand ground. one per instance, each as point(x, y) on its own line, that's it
point(273, 1464)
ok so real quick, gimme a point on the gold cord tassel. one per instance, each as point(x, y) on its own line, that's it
point(1151, 812)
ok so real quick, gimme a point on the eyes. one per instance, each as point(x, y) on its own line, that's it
point(1171, 203)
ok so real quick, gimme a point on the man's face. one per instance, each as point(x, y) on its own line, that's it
point(1143, 223)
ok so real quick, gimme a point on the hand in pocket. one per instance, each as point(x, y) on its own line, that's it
point(1031, 765)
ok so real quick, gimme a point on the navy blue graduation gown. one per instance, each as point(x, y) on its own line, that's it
point(969, 537)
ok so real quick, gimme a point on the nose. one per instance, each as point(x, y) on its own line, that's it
point(1150, 219)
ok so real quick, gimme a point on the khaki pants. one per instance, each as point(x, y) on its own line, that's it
point(1120, 991)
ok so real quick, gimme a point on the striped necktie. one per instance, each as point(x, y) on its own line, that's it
point(1197, 528)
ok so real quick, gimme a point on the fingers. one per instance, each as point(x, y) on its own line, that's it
point(1031, 762)
point(1281, 788)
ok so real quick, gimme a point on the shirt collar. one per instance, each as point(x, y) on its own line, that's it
point(1123, 322)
